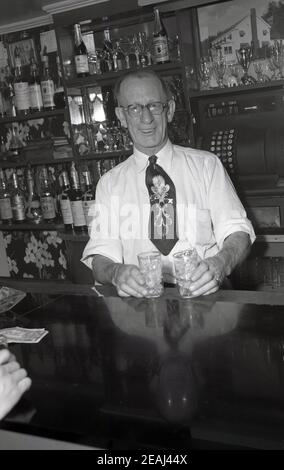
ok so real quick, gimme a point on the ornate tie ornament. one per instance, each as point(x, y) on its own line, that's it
point(163, 219)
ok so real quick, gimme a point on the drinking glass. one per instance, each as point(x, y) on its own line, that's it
point(185, 263)
point(150, 264)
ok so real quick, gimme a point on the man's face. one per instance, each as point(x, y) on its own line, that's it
point(148, 131)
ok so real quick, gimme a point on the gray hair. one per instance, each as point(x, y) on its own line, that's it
point(141, 74)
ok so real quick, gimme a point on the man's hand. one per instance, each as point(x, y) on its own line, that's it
point(128, 280)
point(13, 382)
point(207, 277)
point(211, 272)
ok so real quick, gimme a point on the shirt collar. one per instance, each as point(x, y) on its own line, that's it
point(165, 157)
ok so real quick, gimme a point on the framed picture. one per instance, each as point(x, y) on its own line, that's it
point(25, 49)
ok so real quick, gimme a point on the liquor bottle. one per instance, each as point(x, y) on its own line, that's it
point(81, 53)
point(65, 203)
point(2, 98)
point(160, 40)
point(46, 198)
point(10, 93)
point(3, 149)
point(21, 89)
point(59, 98)
point(33, 209)
point(47, 85)
point(36, 102)
point(15, 143)
point(106, 64)
point(17, 201)
point(88, 196)
point(5, 201)
point(79, 221)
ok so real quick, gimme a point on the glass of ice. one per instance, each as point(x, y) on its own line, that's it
point(185, 263)
point(150, 265)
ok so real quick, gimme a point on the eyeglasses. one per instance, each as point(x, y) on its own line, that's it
point(155, 108)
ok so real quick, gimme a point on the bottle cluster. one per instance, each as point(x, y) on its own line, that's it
point(137, 50)
point(42, 200)
point(29, 90)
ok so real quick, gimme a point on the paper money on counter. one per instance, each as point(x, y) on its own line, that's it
point(23, 335)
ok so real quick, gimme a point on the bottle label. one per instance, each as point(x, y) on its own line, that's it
point(18, 207)
point(47, 88)
point(78, 213)
point(81, 64)
point(161, 49)
point(22, 97)
point(47, 207)
point(86, 207)
point(66, 211)
point(35, 204)
point(5, 209)
point(35, 96)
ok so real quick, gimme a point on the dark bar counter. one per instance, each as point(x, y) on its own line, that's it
point(159, 374)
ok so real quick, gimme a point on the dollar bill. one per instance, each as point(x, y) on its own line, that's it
point(23, 335)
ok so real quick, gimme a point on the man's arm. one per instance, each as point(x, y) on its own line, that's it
point(212, 271)
point(127, 278)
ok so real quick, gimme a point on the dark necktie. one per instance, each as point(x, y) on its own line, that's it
point(163, 219)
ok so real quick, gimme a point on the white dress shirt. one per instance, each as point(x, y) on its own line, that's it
point(208, 208)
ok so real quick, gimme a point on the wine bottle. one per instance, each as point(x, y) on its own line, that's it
point(76, 200)
point(59, 98)
point(33, 209)
point(46, 198)
point(65, 203)
point(21, 89)
point(17, 201)
point(47, 85)
point(160, 40)
point(81, 53)
point(35, 95)
point(5, 201)
point(88, 196)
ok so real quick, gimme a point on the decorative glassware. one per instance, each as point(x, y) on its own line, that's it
point(276, 61)
point(204, 73)
point(135, 49)
point(126, 48)
point(244, 56)
point(260, 75)
point(219, 67)
point(144, 48)
point(234, 75)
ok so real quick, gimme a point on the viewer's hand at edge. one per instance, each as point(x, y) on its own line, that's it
point(128, 280)
point(13, 382)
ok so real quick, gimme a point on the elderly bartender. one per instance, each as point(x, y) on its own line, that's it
point(163, 197)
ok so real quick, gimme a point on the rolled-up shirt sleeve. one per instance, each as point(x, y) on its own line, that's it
point(104, 227)
point(227, 212)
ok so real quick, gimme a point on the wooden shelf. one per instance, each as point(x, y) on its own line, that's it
point(110, 77)
point(106, 155)
point(74, 237)
point(277, 84)
point(31, 116)
point(54, 226)
point(19, 164)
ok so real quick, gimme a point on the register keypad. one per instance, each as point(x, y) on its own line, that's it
point(222, 144)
